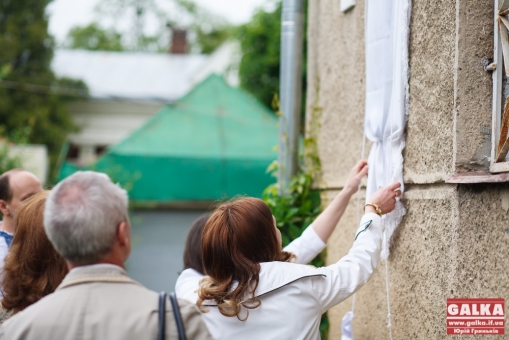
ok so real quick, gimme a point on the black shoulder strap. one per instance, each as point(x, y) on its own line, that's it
point(162, 315)
point(178, 317)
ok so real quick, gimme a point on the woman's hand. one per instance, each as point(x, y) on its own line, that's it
point(385, 198)
point(356, 174)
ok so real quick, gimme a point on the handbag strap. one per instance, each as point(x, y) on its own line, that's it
point(176, 314)
point(178, 317)
point(162, 315)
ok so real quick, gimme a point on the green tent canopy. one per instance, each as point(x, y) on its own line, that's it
point(214, 143)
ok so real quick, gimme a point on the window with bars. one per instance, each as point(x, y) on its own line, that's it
point(499, 160)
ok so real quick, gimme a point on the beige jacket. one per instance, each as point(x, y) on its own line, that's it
point(100, 302)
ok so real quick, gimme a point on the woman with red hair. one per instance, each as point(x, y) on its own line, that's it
point(305, 248)
point(33, 268)
point(253, 290)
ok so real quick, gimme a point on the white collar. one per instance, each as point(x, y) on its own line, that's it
point(276, 275)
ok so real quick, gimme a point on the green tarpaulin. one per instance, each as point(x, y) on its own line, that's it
point(214, 143)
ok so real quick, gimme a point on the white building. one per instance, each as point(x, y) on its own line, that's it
point(127, 88)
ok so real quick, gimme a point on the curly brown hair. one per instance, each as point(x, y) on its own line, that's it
point(33, 268)
point(238, 236)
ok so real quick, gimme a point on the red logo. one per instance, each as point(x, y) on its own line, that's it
point(475, 316)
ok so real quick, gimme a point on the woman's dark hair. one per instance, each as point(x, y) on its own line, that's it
point(237, 237)
point(192, 252)
point(33, 268)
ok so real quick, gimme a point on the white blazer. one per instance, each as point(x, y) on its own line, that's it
point(294, 296)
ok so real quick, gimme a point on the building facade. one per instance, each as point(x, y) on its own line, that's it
point(454, 239)
point(128, 88)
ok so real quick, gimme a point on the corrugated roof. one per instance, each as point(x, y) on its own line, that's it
point(133, 76)
point(214, 120)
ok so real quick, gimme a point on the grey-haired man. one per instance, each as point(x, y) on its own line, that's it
point(86, 219)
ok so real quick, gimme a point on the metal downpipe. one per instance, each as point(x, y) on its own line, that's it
point(290, 92)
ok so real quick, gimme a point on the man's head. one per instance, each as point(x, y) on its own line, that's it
point(86, 220)
point(16, 186)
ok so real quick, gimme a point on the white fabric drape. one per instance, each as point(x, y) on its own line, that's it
point(387, 26)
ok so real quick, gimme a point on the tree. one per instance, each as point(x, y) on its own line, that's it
point(260, 41)
point(139, 13)
point(208, 41)
point(29, 91)
point(208, 31)
point(93, 37)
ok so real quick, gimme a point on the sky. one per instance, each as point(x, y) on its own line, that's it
point(65, 14)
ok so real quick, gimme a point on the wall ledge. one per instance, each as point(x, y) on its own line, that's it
point(478, 177)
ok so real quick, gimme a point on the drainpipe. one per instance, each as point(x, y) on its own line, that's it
point(290, 92)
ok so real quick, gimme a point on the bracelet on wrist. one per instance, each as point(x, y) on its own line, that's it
point(378, 210)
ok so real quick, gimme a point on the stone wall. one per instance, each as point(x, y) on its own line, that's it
point(454, 241)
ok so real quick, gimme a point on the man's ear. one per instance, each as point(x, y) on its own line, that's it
point(3, 208)
point(123, 234)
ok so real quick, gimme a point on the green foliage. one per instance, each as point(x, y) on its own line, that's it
point(93, 37)
point(29, 100)
point(295, 212)
point(137, 13)
point(153, 44)
point(208, 40)
point(260, 41)
point(4, 71)
point(7, 162)
point(208, 31)
point(324, 327)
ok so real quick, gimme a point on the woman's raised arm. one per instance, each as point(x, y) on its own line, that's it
point(313, 240)
point(326, 222)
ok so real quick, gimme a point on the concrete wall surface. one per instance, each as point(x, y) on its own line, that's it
point(454, 240)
